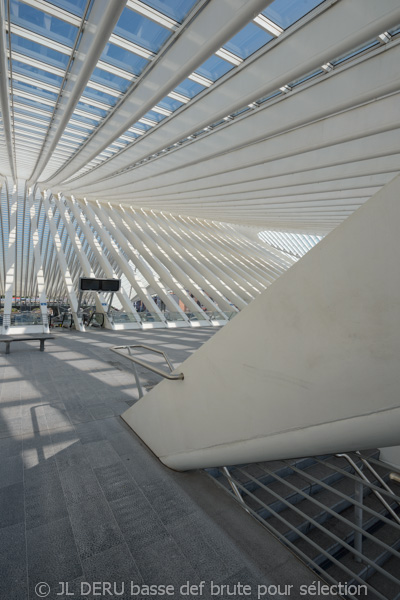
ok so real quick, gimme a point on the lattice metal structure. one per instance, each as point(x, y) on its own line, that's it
point(153, 141)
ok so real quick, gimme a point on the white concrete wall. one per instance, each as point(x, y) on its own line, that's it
point(310, 366)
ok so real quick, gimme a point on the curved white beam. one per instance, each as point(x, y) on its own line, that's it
point(5, 98)
point(337, 92)
point(98, 28)
point(217, 22)
point(337, 30)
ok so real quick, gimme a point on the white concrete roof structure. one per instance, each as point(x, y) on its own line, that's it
point(160, 137)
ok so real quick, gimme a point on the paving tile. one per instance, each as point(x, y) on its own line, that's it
point(79, 483)
point(11, 427)
point(37, 448)
point(115, 481)
point(161, 562)
point(115, 565)
point(101, 411)
point(90, 432)
point(13, 580)
point(123, 442)
point(44, 497)
point(11, 470)
point(10, 446)
point(94, 526)
point(52, 554)
point(79, 415)
point(101, 454)
point(11, 504)
point(138, 522)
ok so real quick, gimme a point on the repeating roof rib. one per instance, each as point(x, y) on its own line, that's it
point(154, 140)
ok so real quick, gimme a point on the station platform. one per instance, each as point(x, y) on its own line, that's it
point(86, 510)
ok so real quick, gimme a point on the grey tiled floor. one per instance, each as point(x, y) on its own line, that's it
point(83, 500)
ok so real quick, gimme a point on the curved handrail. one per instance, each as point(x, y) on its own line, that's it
point(142, 363)
point(365, 478)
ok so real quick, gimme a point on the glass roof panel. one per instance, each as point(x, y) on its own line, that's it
point(124, 59)
point(248, 40)
point(142, 126)
point(34, 103)
point(189, 88)
point(154, 116)
point(44, 24)
point(100, 96)
point(25, 120)
point(38, 116)
point(35, 50)
point(214, 68)
point(175, 9)
point(91, 109)
point(356, 51)
point(169, 103)
point(85, 120)
point(141, 31)
point(33, 89)
point(76, 7)
point(109, 79)
point(34, 72)
point(287, 12)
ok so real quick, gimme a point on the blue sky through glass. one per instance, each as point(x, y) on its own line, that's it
point(189, 88)
point(110, 80)
point(124, 59)
point(175, 9)
point(169, 103)
point(39, 22)
point(141, 31)
point(214, 68)
point(76, 7)
point(287, 12)
point(35, 73)
point(154, 116)
point(100, 96)
point(248, 40)
point(34, 50)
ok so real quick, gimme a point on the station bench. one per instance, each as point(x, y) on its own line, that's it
point(41, 339)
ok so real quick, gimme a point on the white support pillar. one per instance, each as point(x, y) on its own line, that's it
point(38, 263)
point(10, 260)
point(83, 262)
point(148, 249)
point(231, 280)
point(238, 264)
point(204, 280)
point(176, 265)
point(62, 263)
point(122, 263)
point(124, 242)
point(80, 220)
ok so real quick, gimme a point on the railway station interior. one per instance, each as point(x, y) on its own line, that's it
point(199, 299)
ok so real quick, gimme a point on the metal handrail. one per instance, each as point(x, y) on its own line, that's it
point(375, 474)
point(171, 376)
point(246, 484)
point(365, 478)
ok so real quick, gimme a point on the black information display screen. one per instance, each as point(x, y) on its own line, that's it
point(89, 284)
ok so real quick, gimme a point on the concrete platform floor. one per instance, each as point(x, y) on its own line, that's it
point(82, 500)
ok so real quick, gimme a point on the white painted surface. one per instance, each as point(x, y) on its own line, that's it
point(391, 455)
point(310, 366)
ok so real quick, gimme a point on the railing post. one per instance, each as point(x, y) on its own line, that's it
point(358, 518)
point(139, 385)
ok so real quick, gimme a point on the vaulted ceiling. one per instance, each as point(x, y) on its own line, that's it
point(280, 115)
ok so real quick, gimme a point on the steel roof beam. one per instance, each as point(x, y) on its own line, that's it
point(212, 27)
point(337, 30)
point(98, 28)
point(5, 96)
